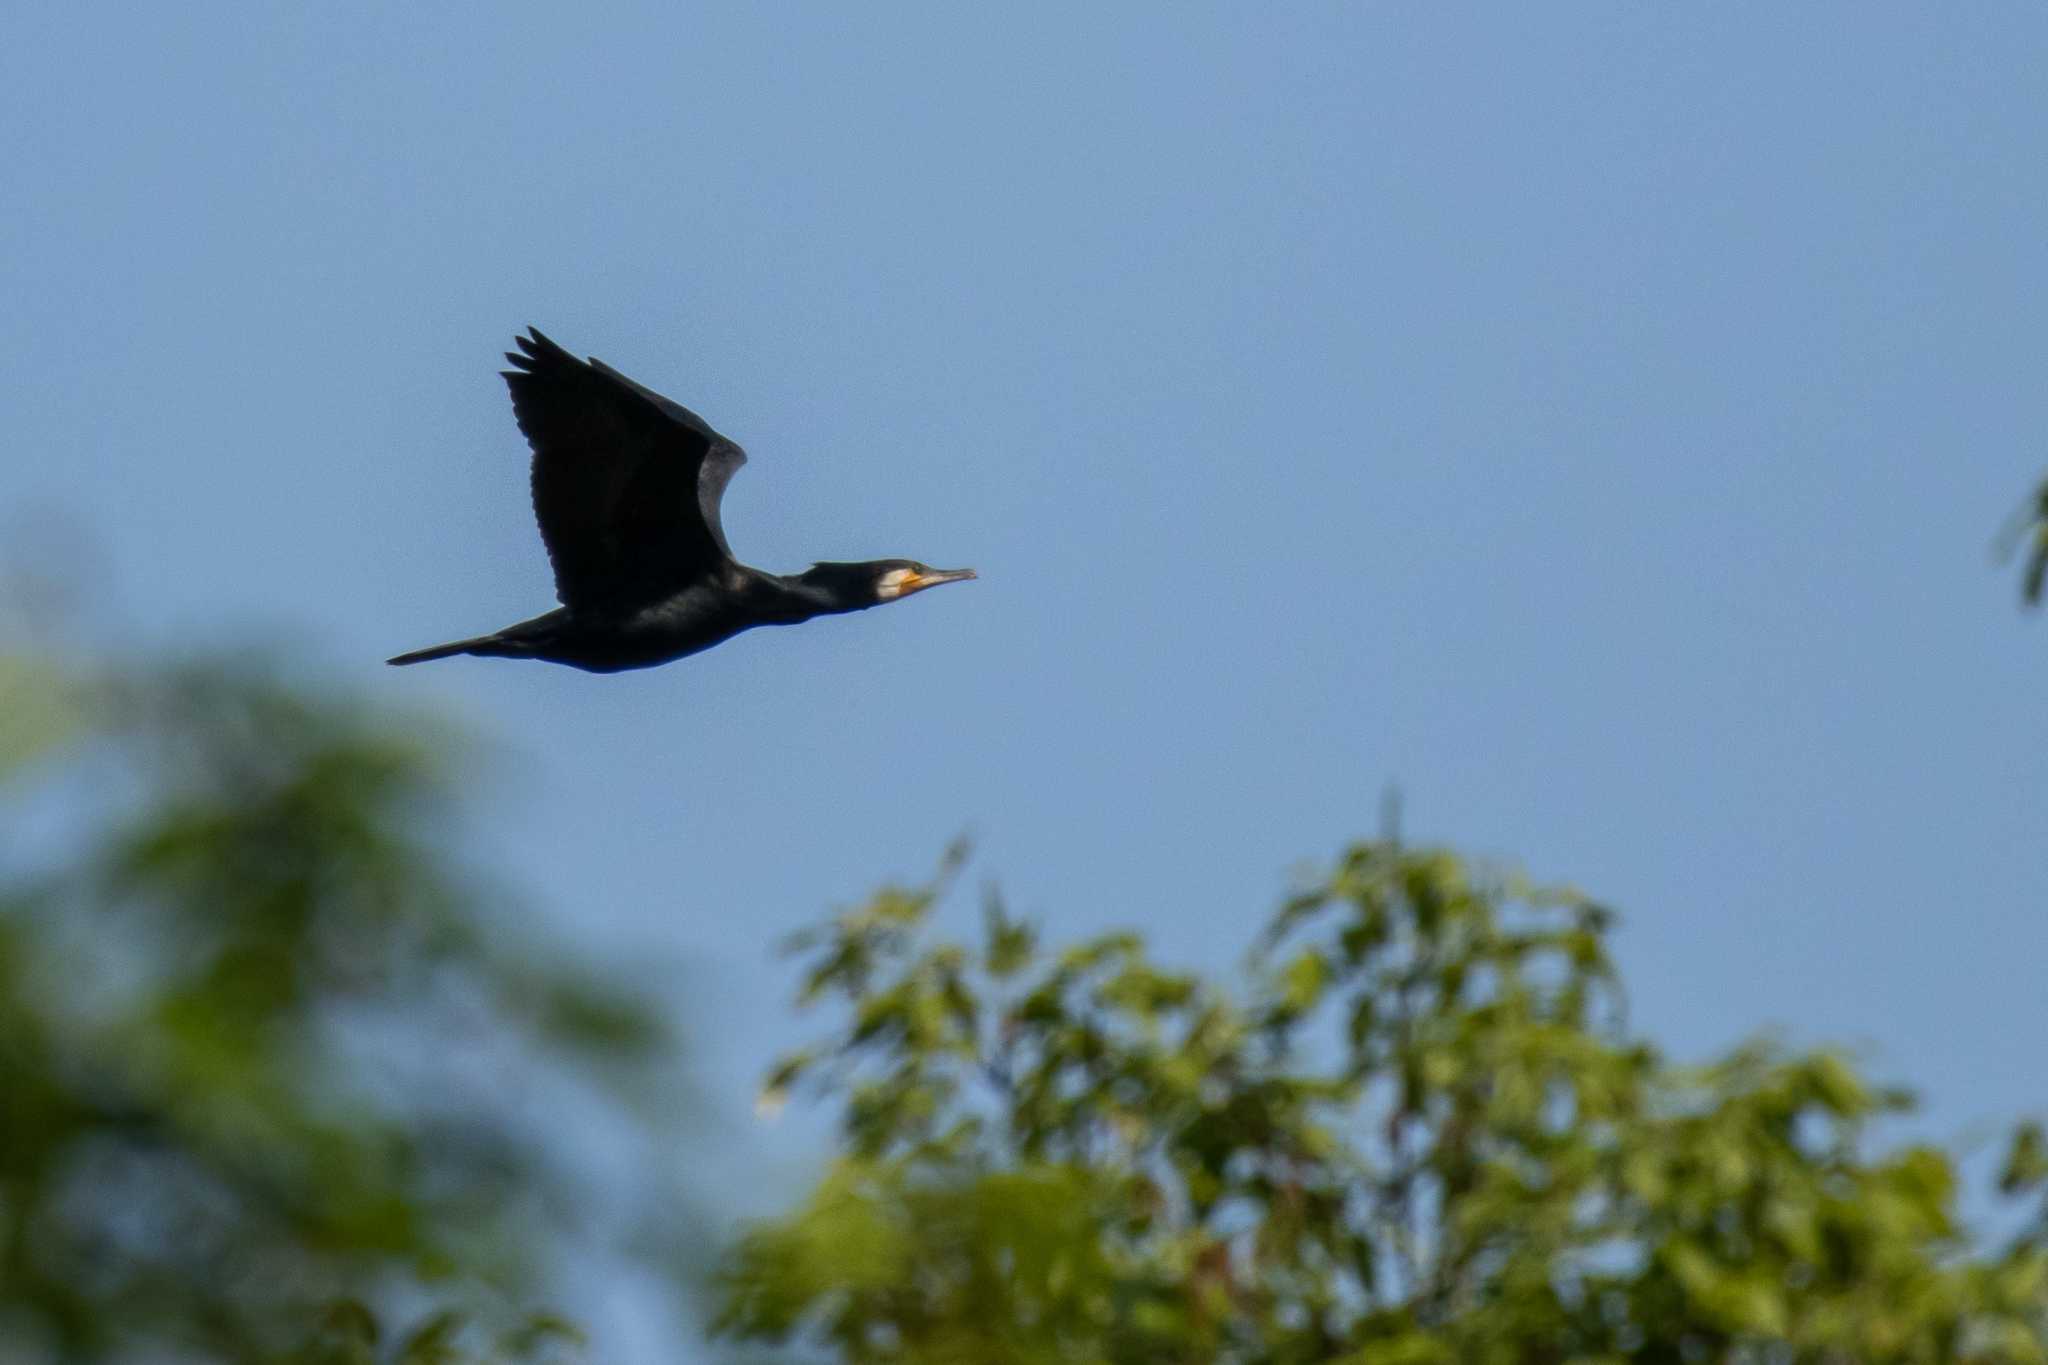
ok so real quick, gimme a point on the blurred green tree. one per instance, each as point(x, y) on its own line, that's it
point(267, 1054)
point(2029, 530)
point(1420, 1132)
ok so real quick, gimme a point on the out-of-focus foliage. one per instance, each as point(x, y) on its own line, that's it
point(2029, 530)
point(350, 1335)
point(1420, 1133)
point(264, 1048)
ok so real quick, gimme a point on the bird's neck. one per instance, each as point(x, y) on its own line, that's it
point(802, 596)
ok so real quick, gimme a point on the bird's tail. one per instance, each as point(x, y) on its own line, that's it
point(482, 644)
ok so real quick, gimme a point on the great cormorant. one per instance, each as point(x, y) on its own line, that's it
point(626, 486)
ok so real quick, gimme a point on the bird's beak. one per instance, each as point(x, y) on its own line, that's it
point(936, 577)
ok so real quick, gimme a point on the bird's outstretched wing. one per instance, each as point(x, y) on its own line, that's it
point(626, 484)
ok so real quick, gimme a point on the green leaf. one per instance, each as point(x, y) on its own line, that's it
point(540, 1332)
point(433, 1342)
point(2026, 1163)
point(1303, 982)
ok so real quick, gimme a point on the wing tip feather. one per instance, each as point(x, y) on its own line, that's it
point(538, 349)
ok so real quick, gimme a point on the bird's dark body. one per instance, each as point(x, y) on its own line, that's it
point(626, 486)
point(688, 623)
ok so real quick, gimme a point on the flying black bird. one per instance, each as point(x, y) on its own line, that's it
point(626, 486)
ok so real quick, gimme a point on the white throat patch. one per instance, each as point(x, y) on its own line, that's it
point(891, 584)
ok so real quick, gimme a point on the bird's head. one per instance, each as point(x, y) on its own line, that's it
point(875, 581)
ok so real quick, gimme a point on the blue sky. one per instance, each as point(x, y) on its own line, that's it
point(1592, 419)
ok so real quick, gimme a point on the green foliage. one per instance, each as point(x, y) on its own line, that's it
point(257, 1029)
point(1420, 1133)
point(351, 1335)
point(2029, 529)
